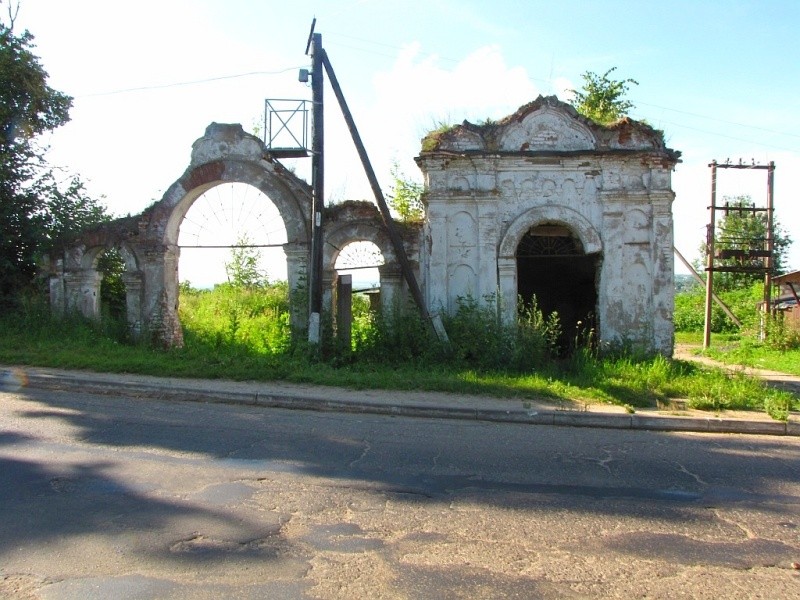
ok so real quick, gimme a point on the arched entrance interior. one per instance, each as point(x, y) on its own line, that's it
point(358, 277)
point(361, 259)
point(231, 221)
point(553, 267)
point(112, 287)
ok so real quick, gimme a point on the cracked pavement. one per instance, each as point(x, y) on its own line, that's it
point(107, 496)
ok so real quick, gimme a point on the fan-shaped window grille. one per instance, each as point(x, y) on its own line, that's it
point(359, 255)
point(549, 240)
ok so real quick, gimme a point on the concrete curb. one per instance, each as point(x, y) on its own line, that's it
point(85, 382)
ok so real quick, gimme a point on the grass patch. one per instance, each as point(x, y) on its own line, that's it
point(244, 335)
point(752, 353)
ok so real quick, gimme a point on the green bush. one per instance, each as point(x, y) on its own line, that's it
point(241, 333)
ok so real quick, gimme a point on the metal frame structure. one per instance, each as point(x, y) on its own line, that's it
point(281, 118)
point(766, 254)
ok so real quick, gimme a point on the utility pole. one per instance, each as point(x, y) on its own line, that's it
point(320, 63)
point(317, 184)
point(434, 320)
point(710, 259)
point(769, 261)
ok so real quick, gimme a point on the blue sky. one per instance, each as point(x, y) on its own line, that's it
point(722, 79)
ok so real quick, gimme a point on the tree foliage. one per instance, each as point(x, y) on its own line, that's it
point(35, 209)
point(69, 209)
point(405, 197)
point(602, 98)
point(242, 270)
point(28, 107)
point(746, 230)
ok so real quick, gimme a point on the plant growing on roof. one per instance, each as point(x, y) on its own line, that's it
point(601, 98)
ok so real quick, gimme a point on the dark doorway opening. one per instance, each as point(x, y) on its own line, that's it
point(553, 268)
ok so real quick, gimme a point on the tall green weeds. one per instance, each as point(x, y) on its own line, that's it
point(244, 333)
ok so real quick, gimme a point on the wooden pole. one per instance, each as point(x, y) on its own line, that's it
point(318, 189)
point(700, 280)
point(710, 259)
point(769, 261)
point(388, 221)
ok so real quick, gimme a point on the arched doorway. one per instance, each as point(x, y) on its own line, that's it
point(361, 260)
point(553, 268)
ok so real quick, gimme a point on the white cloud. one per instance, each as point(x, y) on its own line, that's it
point(417, 92)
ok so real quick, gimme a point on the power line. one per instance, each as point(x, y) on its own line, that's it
point(185, 83)
point(455, 61)
point(718, 120)
point(730, 137)
point(549, 82)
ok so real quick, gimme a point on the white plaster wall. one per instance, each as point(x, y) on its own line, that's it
point(618, 203)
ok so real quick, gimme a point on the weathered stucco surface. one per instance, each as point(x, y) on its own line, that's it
point(610, 187)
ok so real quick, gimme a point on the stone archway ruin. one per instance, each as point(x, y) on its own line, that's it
point(224, 154)
point(486, 188)
point(149, 241)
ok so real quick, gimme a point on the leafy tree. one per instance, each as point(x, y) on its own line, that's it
point(28, 107)
point(242, 270)
point(747, 231)
point(406, 196)
point(68, 209)
point(35, 210)
point(601, 98)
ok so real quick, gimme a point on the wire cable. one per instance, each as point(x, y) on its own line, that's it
point(185, 83)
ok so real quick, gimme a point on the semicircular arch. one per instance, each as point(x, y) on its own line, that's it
point(292, 204)
point(92, 254)
point(347, 233)
point(560, 215)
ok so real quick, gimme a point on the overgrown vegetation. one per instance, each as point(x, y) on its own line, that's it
point(38, 205)
point(405, 197)
point(431, 140)
point(601, 98)
point(764, 342)
point(240, 330)
point(235, 332)
point(243, 267)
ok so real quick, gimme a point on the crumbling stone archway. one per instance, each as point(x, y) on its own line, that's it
point(486, 187)
point(75, 280)
point(356, 221)
point(224, 154)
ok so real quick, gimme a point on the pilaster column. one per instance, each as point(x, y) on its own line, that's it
point(392, 290)
point(507, 287)
point(297, 256)
point(134, 287)
point(82, 292)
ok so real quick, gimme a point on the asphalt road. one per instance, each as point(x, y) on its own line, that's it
point(112, 497)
